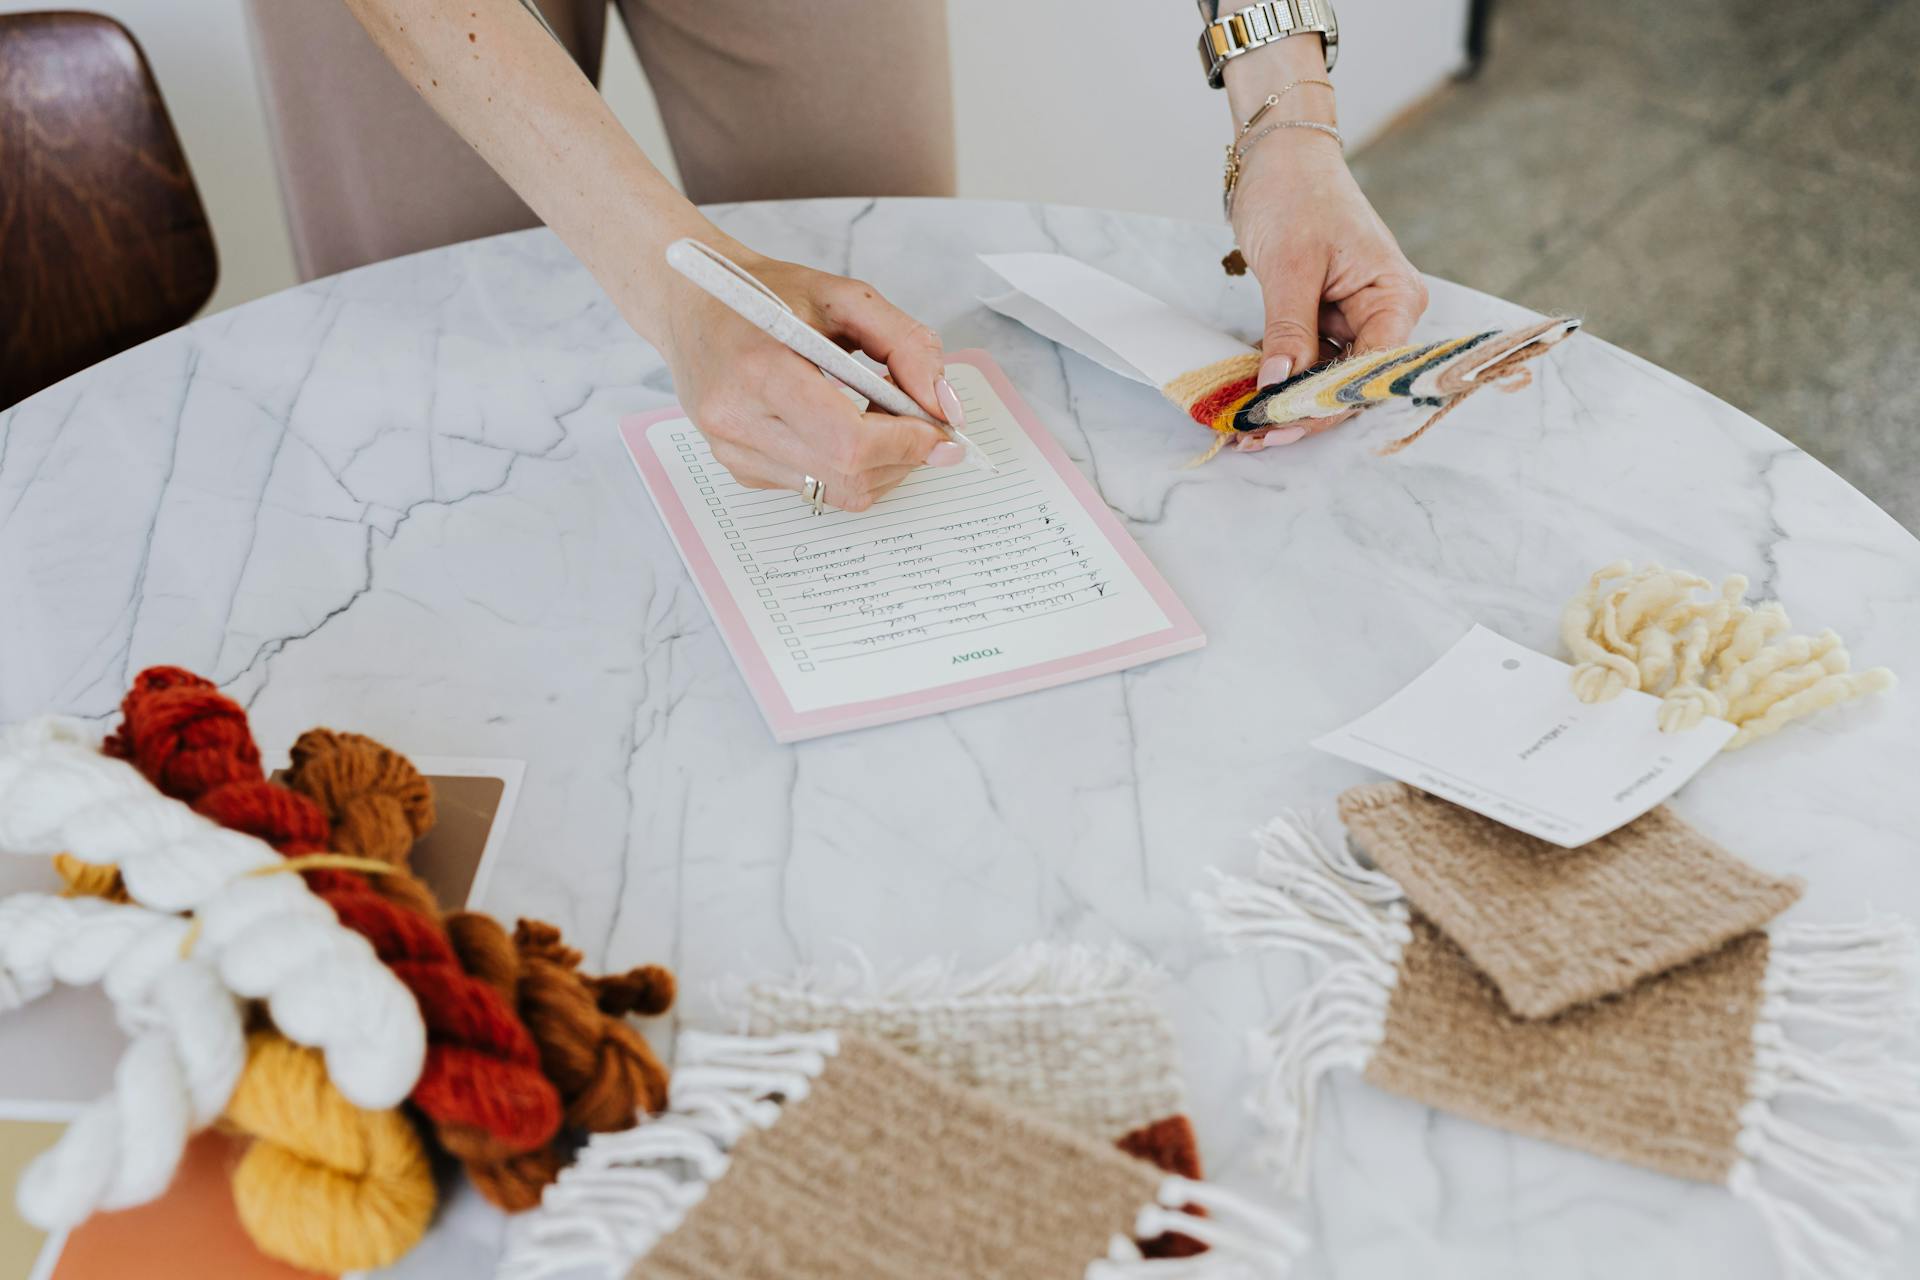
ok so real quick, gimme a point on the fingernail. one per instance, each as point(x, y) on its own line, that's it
point(1277, 369)
point(946, 454)
point(950, 407)
point(1285, 435)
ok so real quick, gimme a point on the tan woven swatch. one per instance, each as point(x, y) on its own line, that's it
point(1655, 1077)
point(1552, 927)
point(1095, 1054)
point(886, 1171)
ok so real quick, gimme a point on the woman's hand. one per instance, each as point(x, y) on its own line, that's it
point(772, 419)
point(1331, 275)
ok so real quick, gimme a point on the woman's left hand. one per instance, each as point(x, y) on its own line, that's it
point(1331, 275)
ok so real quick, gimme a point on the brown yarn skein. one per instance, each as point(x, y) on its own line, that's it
point(606, 1073)
point(605, 1070)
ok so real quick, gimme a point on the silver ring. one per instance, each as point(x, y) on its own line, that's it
point(815, 493)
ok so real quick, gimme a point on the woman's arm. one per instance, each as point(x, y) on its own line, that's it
point(491, 70)
point(1328, 267)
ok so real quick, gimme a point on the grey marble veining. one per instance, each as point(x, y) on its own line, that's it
point(394, 501)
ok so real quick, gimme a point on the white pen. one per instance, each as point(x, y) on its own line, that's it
point(768, 312)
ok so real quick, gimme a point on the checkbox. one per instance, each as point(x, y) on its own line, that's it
point(758, 581)
point(801, 654)
point(713, 502)
point(766, 591)
point(679, 435)
point(773, 604)
point(744, 557)
point(738, 546)
point(793, 642)
point(805, 666)
point(705, 489)
point(779, 617)
point(725, 524)
point(750, 565)
point(785, 631)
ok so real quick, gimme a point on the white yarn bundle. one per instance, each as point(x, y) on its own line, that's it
point(1716, 657)
point(188, 1047)
point(265, 937)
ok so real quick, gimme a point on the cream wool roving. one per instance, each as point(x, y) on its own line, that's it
point(266, 935)
point(186, 1052)
point(1644, 629)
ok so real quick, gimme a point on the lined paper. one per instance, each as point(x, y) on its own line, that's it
point(953, 576)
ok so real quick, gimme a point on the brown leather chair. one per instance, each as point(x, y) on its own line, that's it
point(103, 241)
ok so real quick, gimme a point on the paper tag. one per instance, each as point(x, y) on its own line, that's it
point(1109, 321)
point(1495, 727)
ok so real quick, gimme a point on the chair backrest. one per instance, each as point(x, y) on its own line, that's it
point(103, 241)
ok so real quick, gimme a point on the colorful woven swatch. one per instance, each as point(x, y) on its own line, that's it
point(1225, 397)
point(1553, 927)
point(819, 1156)
point(1684, 1074)
point(1066, 1032)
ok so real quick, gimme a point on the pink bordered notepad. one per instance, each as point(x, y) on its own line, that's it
point(959, 587)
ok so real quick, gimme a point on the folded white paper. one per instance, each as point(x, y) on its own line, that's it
point(1495, 727)
point(1106, 320)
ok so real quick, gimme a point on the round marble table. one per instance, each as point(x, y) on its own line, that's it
point(394, 501)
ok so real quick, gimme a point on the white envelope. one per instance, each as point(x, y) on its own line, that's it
point(1106, 320)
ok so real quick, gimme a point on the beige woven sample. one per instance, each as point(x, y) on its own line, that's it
point(1556, 927)
point(1655, 1077)
point(1065, 1032)
point(1685, 1072)
point(884, 1170)
point(816, 1155)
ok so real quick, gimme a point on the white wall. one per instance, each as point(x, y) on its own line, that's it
point(1063, 100)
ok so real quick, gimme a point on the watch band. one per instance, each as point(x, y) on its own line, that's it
point(1258, 24)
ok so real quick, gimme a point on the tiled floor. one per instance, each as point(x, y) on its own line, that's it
point(1730, 188)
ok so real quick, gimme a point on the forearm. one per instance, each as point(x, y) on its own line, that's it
point(492, 72)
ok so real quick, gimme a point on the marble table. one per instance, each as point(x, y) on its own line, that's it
point(394, 501)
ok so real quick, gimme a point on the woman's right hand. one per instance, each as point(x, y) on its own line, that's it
point(772, 419)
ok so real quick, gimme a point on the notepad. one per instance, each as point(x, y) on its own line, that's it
point(957, 588)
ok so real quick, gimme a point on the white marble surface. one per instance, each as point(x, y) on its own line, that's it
point(394, 501)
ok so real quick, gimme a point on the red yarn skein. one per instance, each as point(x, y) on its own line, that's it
point(482, 1082)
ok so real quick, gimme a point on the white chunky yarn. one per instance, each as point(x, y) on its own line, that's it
point(266, 936)
point(188, 1048)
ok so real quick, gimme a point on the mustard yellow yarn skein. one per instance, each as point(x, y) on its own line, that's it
point(325, 1185)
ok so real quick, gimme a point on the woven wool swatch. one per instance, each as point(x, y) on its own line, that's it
point(1683, 1073)
point(1226, 397)
point(1064, 1032)
point(1554, 927)
point(822, 1156)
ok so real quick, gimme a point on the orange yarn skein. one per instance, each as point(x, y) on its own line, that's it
point(606, 1073)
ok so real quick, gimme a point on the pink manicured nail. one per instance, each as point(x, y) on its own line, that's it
point(950, 407)
point(1278, 369)
point(946, 453)
point(1269, 438)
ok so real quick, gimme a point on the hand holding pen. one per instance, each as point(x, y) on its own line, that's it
point(769, 416)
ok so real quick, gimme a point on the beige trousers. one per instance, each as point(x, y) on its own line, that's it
point(762, 99)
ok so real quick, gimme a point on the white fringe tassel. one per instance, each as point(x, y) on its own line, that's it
point(1244, 1240)
point(626, 1190)
point(1308, 897)
point(1036, 972)
point(1834, 1205)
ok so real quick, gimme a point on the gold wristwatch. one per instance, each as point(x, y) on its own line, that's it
point(1247, 29)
